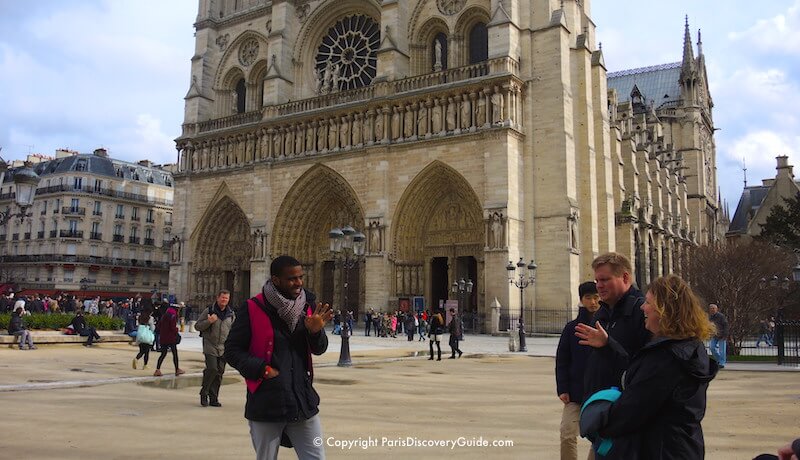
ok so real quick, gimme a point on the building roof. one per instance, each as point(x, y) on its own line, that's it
point(659, 84)
point(101, 166)
point(751, 200)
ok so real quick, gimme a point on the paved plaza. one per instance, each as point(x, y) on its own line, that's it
point(65, 401)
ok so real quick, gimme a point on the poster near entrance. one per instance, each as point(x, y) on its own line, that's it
point(446, 305)
point(405, 304)
point(419, 303)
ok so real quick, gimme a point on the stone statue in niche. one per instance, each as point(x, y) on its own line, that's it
point(337, 71)
point(344, 132)
point(276, 144)
point(333, 135)
point(481, 112)
point(451, 115)
point(437, 118)
point(310, 137)
point(465, 113)
point(299, 137)
point(258, 244)
point(325, 79)
point(395, 124)
point(497, 108)
point(496, 237)
point(379, 126)
point(288, 138)
point(437, 55)
point(375, 238)
point(175, 249)
point(357, 130)
point(572, 223)
point(422, 121)
point(408, 122)
point(321, 135)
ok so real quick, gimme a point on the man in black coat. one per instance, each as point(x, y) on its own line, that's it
point(283, 403)
point(571, 360)
point(619, 330)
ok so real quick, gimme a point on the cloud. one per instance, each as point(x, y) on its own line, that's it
point(759, 148)
point(777, 34)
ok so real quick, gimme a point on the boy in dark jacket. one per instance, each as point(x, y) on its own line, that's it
point(571, 360)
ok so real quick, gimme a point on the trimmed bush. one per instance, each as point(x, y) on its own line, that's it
point(60, 321)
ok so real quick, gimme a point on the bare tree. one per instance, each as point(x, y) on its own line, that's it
point(730, 274)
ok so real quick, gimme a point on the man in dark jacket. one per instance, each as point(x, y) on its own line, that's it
point(719, 343)
point(282, 405)
point(214, 325)
point(81, 328)
point(619, 330)
point(571, 360)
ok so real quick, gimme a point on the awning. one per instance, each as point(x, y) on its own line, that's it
point(82, 294)
point(69, 266)
point(94, 268)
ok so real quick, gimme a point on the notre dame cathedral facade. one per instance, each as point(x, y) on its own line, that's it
point(456, 135)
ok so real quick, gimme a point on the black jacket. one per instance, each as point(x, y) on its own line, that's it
point(289, 397)
point(626, 336)
point(15, 324)
point(663, 402)
point(721, 323)
point(78, 323)
point(571, 359)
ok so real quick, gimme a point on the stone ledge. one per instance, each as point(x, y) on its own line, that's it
point(56, 337)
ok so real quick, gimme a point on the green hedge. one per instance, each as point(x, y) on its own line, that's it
point(60, 321)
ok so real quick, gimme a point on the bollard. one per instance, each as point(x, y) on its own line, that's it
point(344, 353)
point(512, 340)
point(522, 346)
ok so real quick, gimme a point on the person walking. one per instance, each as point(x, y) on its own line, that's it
point(271, 344)
point(17, 328)
point(571, 358)
point(145, 336)
point(435, 335)
point(368, 321)
point(214, 325)
point(659, 412)
point(619, 331)
point(81, 328)
point(169, 337)
point(719, 343)
point(410, 326)
point(456, 330)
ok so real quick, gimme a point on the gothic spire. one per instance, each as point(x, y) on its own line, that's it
point(688, 64)
point(699, 43)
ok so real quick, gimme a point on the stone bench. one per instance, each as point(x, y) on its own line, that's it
point(58, 337)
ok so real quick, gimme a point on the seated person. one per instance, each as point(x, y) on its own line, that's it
point(79, 324)
point(16, 327)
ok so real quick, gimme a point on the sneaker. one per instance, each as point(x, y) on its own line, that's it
point(179, 371)
point(133, 363)
point(157, 373)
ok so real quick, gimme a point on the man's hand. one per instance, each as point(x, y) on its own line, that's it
point(597, 338)
point(322, 314)
point(564, 397)
point(271, 373)
point(212, 318)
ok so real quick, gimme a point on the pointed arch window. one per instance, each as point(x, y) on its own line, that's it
point(478, 43)
point(241, 93)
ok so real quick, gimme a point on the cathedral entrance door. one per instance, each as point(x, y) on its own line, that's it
point(439, 281)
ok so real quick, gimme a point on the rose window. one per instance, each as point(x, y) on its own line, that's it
point(248, 52)
point(347, 59)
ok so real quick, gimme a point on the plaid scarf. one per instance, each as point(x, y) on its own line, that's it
point(289, 310)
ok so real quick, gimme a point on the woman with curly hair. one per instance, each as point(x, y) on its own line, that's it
point(663, 398)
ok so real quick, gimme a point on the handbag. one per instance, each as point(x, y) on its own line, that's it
point(179, 339)
point(145, 335)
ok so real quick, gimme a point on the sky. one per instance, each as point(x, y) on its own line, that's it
point(84, 74)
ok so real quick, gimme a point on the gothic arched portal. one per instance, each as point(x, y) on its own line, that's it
point(318, 201)
point(222, 251)
point(438, 236)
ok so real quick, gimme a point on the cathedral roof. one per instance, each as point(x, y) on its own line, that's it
point(659, 84)
point(751, 199)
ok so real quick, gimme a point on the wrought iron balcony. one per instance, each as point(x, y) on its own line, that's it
point(95, 236)
point(71, 234)
point(149, 242)
point(73, 211)
point(97, 213)
point(119, 238)
point(40, 235)
point(134, 240)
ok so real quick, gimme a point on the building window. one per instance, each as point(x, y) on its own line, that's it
point(134, 213)
point(150, 216)
point(241, 94)
point(78, 183)
point(81, 165)
point(116, 253)
point(114, 277)
point(73, 226)
point(478, 43)
point(69, 275)
point(93, 251)
point(75, 204)
point(118, 230)
point(347, 56)
point(72, 249)
point(133, 232)
point(120, 211)
point(148, 233)
point(98, 185)
point(44, 207)
point(97, 208)
point(95, 228)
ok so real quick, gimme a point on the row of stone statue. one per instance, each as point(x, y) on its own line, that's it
point(439, 116)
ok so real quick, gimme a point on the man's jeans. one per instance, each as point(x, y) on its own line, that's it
point(306, 436)
point(719, 350)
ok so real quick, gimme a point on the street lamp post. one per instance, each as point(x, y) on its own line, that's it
point(347, 249)
point(462, 288)
point(518, 277)
point(25, 183)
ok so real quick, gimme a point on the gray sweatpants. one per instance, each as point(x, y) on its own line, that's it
point(306, 437)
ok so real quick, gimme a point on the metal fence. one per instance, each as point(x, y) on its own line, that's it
point(539, 320)
point(787, 341)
